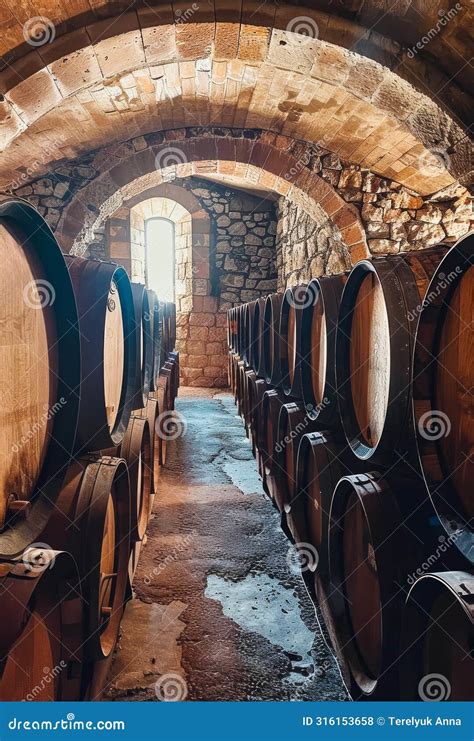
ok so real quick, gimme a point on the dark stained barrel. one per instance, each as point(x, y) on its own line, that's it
point(437, 661)
point(92, 520)
point(144, 346)
point(371, 555)
point(292, 308)
point(239, 387)
point(136, 450)
point(318, 349)
point(152, 412)
point(162, 395)
point(258, 331)
point(248, 378)
point(155, 331)
point(108, 351)
point(374, 344)
point(174, 359)
point(293, 423)
point(321, 463)
point(40, 379)
point(256, 389)
point(249, 313)
point(271, 339)
point(272, 402)
point(41, 641)
point(443, 392)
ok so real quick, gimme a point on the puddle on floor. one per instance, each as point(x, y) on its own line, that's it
point(260, 604)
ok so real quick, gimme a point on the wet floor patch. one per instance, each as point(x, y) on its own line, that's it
point(260, 604)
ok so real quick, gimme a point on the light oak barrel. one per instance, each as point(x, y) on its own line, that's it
point(40, 387)
point(108, 355)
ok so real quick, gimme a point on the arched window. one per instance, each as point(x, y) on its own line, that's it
point(160, 257)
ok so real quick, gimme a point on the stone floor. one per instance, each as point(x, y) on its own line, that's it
point(219, 612)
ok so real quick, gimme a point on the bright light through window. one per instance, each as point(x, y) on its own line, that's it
point(159, 240)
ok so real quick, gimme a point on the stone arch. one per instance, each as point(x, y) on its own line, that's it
point(316, 90)
point(192, 238)
point(265, 162)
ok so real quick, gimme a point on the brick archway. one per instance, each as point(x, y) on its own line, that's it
point(194, 225)
point(200, 336)
point(338, 87)
point(265, 161)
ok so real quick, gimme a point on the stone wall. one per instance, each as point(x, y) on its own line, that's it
point(395, 219)
point(307, 246)
point(232, 232)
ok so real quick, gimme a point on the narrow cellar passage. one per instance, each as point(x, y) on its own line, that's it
point(219, 612)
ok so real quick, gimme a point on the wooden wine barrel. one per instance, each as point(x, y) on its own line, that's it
point(170, 369)
point(172, 323)
point(40, 380)
point(42, 630)
point(249, 313)
point(321, 462)
point(230, 370)
point(144, 346)
point(258, 331)
point(108, 351)
point(239, 387)
point(155, 331)
point(437, 661)
point(371, 554)
point(443, 393)
point(92, 520)
point(249, 378)
point(235, 363)
point(293, 424)
point(256, 389)
point(272, 403)
point(318, 348)
point(241, 330)
point(136, 450)
point(162, 397)
point(152, 413)
point(292, 308)
point(374, 343)
point(271, 339)
point(174, 358)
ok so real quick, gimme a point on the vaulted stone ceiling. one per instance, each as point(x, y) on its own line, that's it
point(95, 75)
